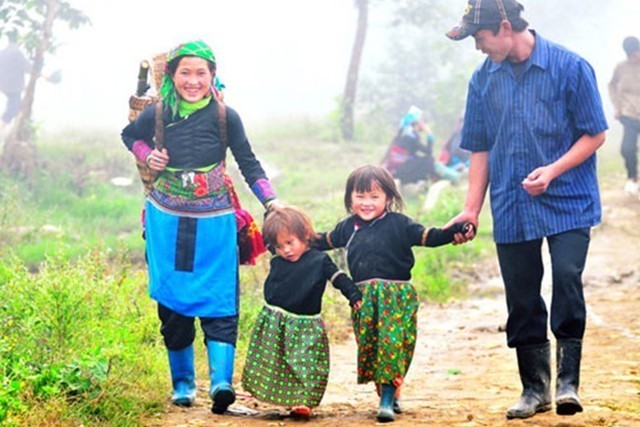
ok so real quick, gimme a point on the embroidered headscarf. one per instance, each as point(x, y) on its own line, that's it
point(167, 89)
point(413, 115)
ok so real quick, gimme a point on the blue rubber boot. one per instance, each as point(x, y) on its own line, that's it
point(183, 376)
point(221, 358)
point(387, 398)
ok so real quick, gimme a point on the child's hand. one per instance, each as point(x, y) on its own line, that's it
point(357, 305)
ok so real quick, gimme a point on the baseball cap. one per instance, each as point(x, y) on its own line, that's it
point(480, 13)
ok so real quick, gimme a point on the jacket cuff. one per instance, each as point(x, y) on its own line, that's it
point(264, 191)
point(141, 150)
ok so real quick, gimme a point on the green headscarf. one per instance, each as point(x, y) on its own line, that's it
point(167, 89)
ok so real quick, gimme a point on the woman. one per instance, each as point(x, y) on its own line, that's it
point(190, 220)
point(408, 159)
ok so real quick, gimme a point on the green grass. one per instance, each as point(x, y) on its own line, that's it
point(79, 339)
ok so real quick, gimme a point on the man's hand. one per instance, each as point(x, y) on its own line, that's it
point(537, 182)
point(469, 232)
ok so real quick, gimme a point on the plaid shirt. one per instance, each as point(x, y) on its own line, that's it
point(528, 122)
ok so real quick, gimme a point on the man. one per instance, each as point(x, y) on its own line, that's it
point(533, 123)
point(13, 66)
point(624, 91)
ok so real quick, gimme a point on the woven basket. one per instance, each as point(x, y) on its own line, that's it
point(158, 62)
point(138, 103)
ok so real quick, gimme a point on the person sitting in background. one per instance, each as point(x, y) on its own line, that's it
point(452, 156)
point(409, 160)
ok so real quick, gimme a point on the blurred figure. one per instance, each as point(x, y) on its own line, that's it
point(452, 156)
point(409, 159)
point(13, 67)
point(533, 123)
point(624, 91)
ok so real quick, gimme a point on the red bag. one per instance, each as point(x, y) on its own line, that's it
point(250, 242)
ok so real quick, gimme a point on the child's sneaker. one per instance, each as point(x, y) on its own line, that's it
point(397, 408)
point(302, 411)
point(631, 187)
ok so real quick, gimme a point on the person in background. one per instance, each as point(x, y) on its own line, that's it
point(452, 156)
point(288, 356)
point(624, 91)
point(409, 159)
point(533, 122)
point(13, 67)
point(379, 241)
point(191, 224)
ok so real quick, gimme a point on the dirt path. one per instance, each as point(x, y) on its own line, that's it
point(464, 375)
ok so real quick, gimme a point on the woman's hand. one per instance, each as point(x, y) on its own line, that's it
point(158, 160)
point(273, 205)
point(357, 305)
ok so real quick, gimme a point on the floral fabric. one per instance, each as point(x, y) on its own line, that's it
point(385, 329)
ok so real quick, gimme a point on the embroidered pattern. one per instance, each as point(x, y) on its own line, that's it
point(193, 191)
point(385, 329)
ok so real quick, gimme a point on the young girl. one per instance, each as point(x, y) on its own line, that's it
point(288, 357)
point(378, 241)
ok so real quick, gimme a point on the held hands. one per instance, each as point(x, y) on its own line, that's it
point(468, 230)
point(272, 205)
point(158, 160)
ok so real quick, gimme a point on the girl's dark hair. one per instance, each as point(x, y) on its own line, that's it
point(172, 65)
point(363, 178)
point(290, 219)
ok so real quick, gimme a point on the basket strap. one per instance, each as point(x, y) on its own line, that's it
point(158, 138)
point(222, 125)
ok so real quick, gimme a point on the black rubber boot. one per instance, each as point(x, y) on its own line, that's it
point(568, 355)
point(534, 364)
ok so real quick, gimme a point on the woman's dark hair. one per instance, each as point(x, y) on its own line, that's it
point(363, 178)
point(172, 66)
point(290, 219)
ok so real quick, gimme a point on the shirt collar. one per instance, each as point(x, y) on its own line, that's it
point(539, 57)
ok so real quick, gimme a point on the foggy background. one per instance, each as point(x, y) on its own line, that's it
point(278, 58)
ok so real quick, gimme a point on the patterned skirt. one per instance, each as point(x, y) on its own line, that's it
point(288, 358)
point(385, 329)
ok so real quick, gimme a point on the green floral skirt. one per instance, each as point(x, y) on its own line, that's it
point(385, 329)
point(288, 358)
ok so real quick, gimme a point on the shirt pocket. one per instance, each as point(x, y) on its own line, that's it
point(548, 117)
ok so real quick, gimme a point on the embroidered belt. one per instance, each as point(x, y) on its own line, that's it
point(193, 191)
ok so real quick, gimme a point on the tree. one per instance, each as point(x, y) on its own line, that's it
point(33, 22)
point(350, 89)
point(422, 68)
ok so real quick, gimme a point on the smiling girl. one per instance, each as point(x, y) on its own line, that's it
point(378, 240)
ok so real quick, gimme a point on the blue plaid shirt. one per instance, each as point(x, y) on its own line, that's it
point(528, 122)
